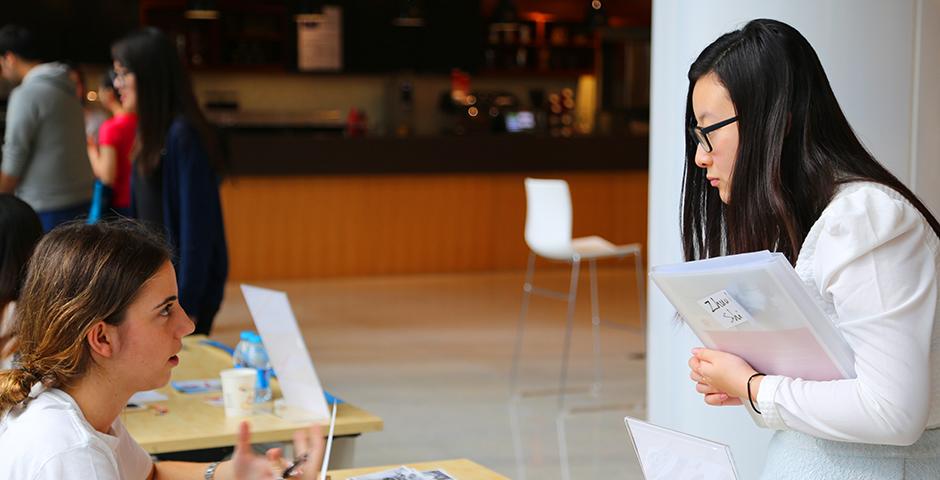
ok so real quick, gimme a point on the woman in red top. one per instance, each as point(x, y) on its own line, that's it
point(110, 159)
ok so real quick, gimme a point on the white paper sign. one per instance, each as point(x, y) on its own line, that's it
point(320, 42)
point(722, 307)
point(666, 454)
point(287, 351)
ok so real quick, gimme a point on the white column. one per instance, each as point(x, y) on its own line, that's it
point(926, 104)
point(881, 60)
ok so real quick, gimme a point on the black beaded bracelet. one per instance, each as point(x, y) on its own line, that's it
point(750, 397)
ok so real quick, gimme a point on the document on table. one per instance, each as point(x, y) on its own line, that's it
point(147, 396)
point(666, 454)
point(287, 351)
point(405, 473)
point(754, 305)
point(206, 385)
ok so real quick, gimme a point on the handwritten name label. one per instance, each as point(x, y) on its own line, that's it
point(727, 312)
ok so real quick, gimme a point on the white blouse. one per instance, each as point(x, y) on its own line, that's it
point(871, 260)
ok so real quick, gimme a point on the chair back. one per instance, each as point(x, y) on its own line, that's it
point(548, 218)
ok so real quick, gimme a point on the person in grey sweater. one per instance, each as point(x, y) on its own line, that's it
point(44, 161)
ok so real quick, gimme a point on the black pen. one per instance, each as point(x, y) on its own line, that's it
point(292, 468)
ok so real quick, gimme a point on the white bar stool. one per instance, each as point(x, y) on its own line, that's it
point(548, 235)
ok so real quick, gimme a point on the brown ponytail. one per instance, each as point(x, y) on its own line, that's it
point(79, 275)
point(14, 386)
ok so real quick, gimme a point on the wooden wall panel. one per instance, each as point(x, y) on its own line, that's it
point(319, 226)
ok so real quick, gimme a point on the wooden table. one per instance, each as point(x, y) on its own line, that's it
point(461, 469)
point(192, 424)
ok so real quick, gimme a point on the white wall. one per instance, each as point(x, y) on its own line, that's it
point(881, 60)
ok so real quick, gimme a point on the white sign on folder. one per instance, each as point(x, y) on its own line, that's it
point(666, 454)
point(722, 307)
point(287, 351)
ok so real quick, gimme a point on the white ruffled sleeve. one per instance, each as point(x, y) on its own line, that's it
point(875, 261)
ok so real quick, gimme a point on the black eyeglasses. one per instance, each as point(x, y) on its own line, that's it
point(701, 133)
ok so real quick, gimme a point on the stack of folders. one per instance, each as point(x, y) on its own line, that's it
point(754, 305)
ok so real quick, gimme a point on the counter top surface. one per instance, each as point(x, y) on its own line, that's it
point(291, 153)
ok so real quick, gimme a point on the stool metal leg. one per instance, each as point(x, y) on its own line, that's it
point(520, 329)
point(641, 288)
point(595, 327)
point(562, 434)
point(515, 428)
point(572, 297)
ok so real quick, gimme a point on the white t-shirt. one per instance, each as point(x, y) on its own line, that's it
point(51, 440)
point(871, 261)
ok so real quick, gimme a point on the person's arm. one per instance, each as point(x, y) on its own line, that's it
point(875, 259)
point(168, 470)
point(103, 160)
point(8, 183)
point(246, 465)
point(21, 123)
point(196, 209)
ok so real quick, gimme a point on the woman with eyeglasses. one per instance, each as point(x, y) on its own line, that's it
point(772, 163)
point(177, 160)
point(98, 320)
point(110, 156)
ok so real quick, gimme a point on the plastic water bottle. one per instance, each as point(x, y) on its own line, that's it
point(250, 353)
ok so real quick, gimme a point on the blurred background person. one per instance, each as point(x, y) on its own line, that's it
point(175, 180)
point(111, 156)
point(44, 156)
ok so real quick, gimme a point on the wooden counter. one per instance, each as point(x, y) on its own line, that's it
point(310, 226)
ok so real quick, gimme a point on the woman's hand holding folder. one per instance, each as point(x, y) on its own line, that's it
point(722, 377)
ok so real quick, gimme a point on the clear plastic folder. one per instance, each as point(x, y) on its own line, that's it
point(666, 454)
point(756, 306)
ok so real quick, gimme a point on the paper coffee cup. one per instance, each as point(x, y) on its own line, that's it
point(238, 391)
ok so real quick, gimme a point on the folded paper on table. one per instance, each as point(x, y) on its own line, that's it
point(330, 398)
point(197, 386)
point(754, 305)
point(666, 454)
point(287, 351)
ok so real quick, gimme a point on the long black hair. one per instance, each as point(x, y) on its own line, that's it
point(20, 230)
point(164, 92)
point(796, 147)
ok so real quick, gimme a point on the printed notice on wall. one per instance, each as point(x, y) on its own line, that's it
point(320, 40)
point(725, 310)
